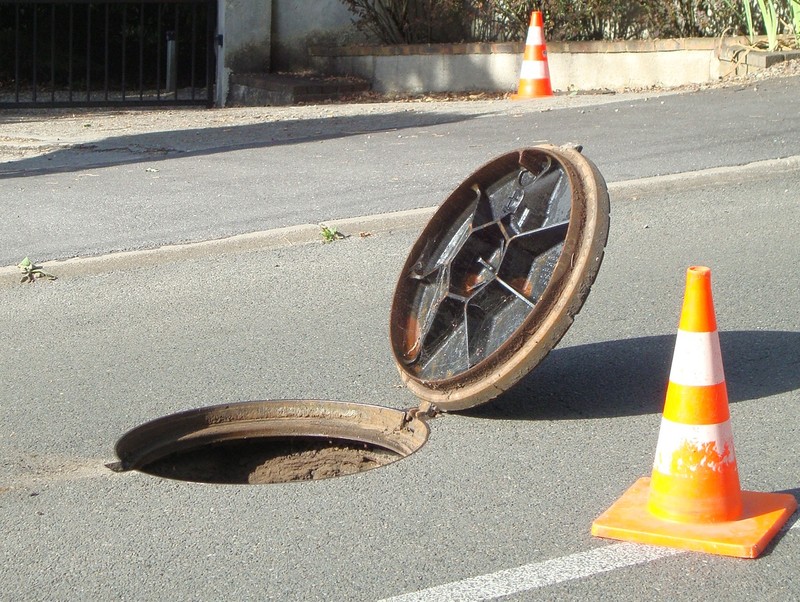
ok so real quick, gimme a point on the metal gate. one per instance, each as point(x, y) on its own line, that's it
point(68, 53)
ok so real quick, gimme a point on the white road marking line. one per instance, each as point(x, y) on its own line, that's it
point(549, 572)
point(540, 574)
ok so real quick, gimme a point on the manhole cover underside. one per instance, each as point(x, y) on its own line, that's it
point(497, 275)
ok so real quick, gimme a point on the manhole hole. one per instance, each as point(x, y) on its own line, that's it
point(489, 288)
point(271, 442)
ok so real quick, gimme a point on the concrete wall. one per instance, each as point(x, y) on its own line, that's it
point(585, 71)
point(414, 70)
point(496, 67)
point(298, 24)
point(246, 48)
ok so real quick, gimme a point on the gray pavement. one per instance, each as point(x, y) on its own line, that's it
point(179, 182)
point(515, 483)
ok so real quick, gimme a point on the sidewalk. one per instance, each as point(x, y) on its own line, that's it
point(31, 133)
point(28, 133)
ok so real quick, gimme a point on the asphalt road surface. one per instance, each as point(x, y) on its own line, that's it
point(168, 185)
point(500, 500)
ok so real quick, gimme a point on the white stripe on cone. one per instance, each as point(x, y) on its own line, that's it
point(697, 361)
point(535, 37)
point(673, 437)
point(533, 70)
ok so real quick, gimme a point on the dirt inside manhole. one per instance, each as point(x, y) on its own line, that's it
point(271, 460)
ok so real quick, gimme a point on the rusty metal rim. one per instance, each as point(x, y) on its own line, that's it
point(561, 300)
point(398, 431)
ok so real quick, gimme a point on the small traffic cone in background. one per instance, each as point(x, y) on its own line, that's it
point(693, 500)
point(534, 77)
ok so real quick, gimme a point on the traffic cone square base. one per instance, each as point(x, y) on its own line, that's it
point(763, 514)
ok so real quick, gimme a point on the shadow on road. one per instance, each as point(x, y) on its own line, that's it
point(629, 377)
point(790, 524)
point(796, 516)
point(157, 146)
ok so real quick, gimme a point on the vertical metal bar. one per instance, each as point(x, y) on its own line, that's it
point(158, 52)
point(71, 35)
point(194, 45)
point(172, 62)
point(211, 50)
point(88, 52)
point(35, 49)
point(105, 58)
point(124, 44)
point(16, 51)
point(177, 37)
point(52, 53)
point(141, 51)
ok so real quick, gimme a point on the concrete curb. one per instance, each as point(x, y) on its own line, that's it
point(241, 243)
point(628, 190)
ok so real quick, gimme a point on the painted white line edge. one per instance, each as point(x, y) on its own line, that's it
point(540, 574)
point(548, 572)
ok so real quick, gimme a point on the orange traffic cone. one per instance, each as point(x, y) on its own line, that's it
point(534, 77)
point(693, 499)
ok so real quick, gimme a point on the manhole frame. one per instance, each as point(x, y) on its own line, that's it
point(398, 431)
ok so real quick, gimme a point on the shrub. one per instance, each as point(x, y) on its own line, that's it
point(412, 21)
point(434, 21)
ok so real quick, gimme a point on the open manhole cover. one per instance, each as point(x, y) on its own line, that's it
point(497, 275)
point(489, 288)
